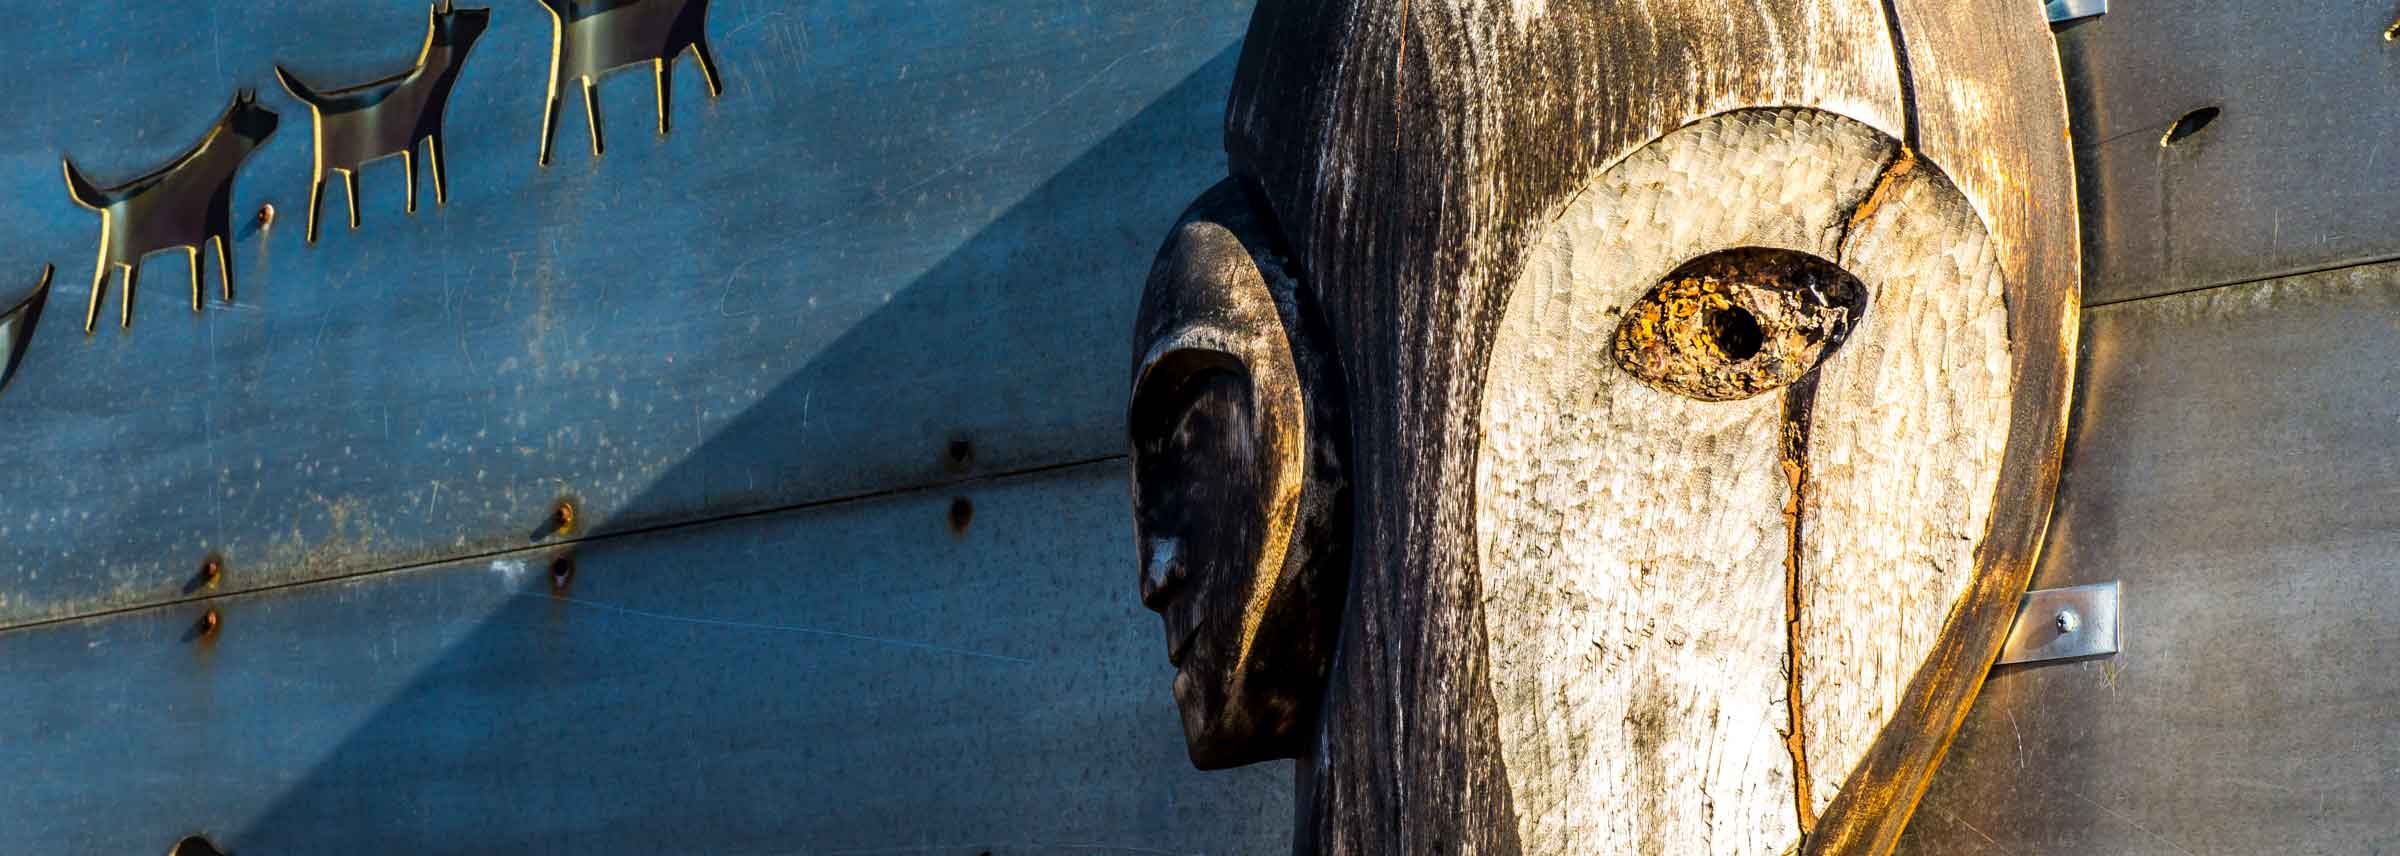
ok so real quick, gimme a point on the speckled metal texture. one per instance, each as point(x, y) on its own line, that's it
point(854, 678)
point(904, 224)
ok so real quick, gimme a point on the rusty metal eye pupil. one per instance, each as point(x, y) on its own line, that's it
point(1735, 332)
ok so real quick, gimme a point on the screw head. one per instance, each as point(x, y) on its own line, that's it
point(2067, 621)
point(266, 216)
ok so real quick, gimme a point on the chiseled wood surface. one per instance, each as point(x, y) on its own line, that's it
point(1412, 151)
point(1906, 440)
point(1633, 543)
point(1988, 109)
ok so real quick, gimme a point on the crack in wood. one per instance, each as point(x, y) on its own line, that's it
point(1798, 400)
point(1798, 403)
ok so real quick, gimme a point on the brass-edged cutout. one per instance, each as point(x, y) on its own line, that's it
point(389, 116)
point(180, 206)
point(590, 38)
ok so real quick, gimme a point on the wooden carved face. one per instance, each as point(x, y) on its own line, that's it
point(1238, 493)
point(1707, 366)
point(1735, 470)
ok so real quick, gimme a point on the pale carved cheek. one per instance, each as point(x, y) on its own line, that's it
point(1672, 524)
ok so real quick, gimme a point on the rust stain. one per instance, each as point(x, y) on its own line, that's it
point(562, 575)
point(1796, 406)
point(962, 514)
point(207, 628)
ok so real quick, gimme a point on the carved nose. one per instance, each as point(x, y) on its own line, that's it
point(1162, 573)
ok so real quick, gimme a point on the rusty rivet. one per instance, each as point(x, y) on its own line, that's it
point(209, 623)
point(562, 574)
point(212, 569)
point(266, 216)
point(562, 517)
point(962, 513)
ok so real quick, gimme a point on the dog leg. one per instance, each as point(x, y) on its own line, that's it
point(663, 71)
point(224, 242)
point(433, 158)
point(591, 112)
point(133, 274)
point(316, 200)
point(350, 183)
point(192, 253)
point(408, 167)
point(549, 123)
point(708, 67)
point(91, 313)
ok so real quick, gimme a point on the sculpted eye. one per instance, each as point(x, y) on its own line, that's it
point(1735, 323)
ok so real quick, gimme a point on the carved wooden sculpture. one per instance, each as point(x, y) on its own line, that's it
point(16, 327)
point(1706, 367)
point(381, 118)
point(590, 38)
point(1241, 504)
point(180, 206)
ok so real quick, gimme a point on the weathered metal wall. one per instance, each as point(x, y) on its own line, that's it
point(912, 223)
point(892, 266)
point(2234, 457)
point(904, 223)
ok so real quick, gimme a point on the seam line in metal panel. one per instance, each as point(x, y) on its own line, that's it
point(2337, 266)
point(552, 546)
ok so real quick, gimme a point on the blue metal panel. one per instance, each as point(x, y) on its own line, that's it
point(905, 223)
point(855, 678)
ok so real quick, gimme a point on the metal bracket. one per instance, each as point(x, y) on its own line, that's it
point(2068, 10)
point(2063, 624)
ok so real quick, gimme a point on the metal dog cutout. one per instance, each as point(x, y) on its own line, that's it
point(182, 205)
point(381, 118)
point(593, 37)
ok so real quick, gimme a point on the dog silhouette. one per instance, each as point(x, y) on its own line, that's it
point(182, 205)
point(590, 38)
point(381, 118)
point(16, 327)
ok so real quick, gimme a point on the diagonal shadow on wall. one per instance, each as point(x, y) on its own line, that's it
point(863, 676)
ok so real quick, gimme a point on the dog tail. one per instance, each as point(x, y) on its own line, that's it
point(86, 193)
point(291, 83)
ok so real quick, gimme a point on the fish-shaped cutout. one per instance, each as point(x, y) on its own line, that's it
point(180, 206)
point(590, 38)
point(390, 116)
point(16, 327)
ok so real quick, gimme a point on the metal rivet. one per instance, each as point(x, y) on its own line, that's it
point(562, 574)
point(266, 216)
point(2067, 621)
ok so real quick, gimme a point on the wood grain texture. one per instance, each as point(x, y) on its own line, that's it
point(1633, 541)
point(1904, 451)
point(1412, 151)
point(1988, 111)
